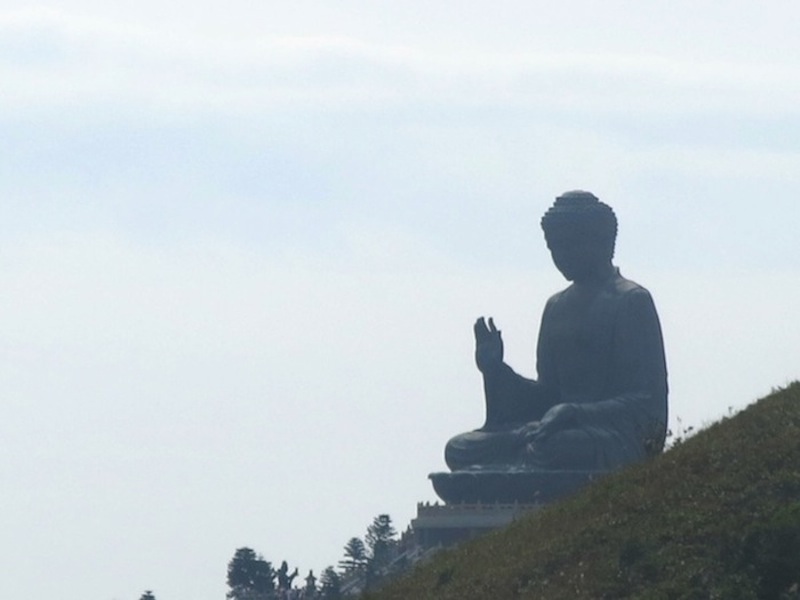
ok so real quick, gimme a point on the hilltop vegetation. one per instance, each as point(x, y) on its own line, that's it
point(717, 516)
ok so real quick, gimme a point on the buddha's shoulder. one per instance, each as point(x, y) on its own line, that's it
point(617, 287)
point(623, 286)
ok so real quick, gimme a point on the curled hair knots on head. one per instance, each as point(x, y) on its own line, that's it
point(584, 210)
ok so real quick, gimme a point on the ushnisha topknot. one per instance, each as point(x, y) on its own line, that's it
point(584, 210)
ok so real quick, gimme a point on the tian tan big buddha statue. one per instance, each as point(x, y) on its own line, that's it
point(599, 401)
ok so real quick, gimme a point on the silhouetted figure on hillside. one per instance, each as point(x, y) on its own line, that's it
point(284, 578)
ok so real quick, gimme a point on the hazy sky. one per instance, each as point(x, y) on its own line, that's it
point(242, 246)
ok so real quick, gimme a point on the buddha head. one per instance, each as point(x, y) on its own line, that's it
point(580, 232)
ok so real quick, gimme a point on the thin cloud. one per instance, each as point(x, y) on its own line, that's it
point(59, 60)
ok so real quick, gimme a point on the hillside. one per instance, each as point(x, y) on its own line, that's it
point(717, 516)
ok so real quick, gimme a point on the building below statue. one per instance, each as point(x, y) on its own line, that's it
point(477, 502)
point(441, 525)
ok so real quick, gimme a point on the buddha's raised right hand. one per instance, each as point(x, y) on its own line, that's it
point(488, 346)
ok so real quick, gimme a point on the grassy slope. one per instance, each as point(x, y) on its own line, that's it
point(718, 516)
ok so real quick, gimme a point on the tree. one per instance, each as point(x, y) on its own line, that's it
point(250, 577)
point(148, 595)
point(331, 585)
point(380, 538)
point(355, 555)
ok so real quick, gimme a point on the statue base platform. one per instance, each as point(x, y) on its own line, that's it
point(509, 486)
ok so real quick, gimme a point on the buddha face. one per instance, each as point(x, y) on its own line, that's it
point(578, 254)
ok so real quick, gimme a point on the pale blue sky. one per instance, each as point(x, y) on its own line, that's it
point(242, 249)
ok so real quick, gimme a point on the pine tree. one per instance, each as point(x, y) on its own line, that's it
point(250, 577)
point(355, 555)
point(380, 538)
point(330, 583)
